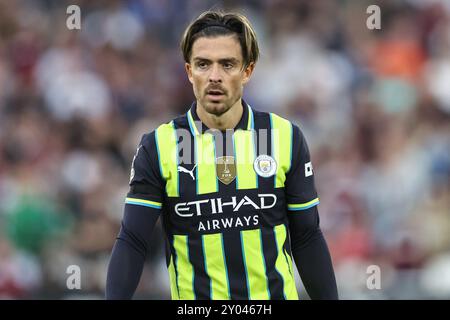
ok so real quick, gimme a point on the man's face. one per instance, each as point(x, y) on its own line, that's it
point(215, 71)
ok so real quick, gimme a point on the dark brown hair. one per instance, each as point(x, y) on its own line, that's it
point(215, 23)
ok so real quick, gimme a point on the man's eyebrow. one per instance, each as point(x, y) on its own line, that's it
point(232, 60)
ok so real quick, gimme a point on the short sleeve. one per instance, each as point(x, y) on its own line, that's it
point(300, 189)
point(146, 184)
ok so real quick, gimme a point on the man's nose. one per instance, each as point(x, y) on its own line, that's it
point(215, 74)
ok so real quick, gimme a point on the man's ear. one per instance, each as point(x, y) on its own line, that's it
point(248, 72)
point(188, 68)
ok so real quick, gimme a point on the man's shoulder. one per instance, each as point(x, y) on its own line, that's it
point(271, 117)
point(178, 122)
point(175, 123)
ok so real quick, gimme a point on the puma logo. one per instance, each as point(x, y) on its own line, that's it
point(182, 169)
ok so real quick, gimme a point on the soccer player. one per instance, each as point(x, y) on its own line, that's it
point(234, 187)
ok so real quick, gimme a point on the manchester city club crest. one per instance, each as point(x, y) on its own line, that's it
point(226, 169)
point(265, 166)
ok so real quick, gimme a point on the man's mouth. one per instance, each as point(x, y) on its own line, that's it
point(215, 94)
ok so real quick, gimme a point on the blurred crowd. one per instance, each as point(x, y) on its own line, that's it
point(374, 106)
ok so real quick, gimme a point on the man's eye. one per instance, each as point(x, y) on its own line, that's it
point(228, 65)
point(202, 65)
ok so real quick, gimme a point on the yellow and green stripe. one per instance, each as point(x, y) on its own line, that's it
point(281, 132)
point(173, 280)
point(244, 155)
point(205, 158)
point(166, 145)
point(142, 202)
point(254, 264)
point(244, 147)
point(283, 264)
point(185, 270)
point(215, 266)
point(205, 154)
point(303, 206)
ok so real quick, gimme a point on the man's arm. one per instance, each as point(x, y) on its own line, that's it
point(143, 206)
point(308, 245)
point(129, 251)
point(311, 255)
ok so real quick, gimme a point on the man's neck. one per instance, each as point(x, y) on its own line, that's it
point(227, 120)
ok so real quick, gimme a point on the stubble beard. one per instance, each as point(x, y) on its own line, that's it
point(216, 108)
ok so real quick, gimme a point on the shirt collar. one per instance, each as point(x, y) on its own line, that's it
point(245, 123)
